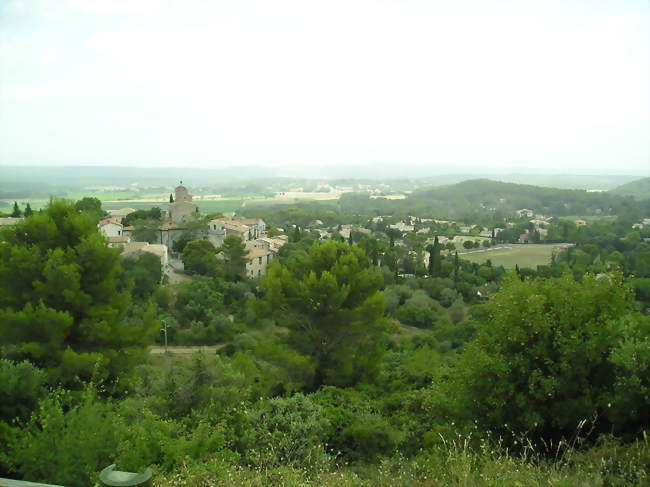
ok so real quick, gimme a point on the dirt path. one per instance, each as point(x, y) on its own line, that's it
point(185, 350)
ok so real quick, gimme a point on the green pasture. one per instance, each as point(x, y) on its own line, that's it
point(525, 256)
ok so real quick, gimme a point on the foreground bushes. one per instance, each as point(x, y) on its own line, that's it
point(284, 441)
point(608, 464)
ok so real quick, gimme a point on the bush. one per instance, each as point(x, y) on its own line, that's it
point(21, 387)
point(555, 353)
point(287, 431)
point(66, 443)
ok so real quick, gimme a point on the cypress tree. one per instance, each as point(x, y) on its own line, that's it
point(28, 210)
point(16, 213)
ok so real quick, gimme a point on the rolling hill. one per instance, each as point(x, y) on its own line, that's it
point(639, 189)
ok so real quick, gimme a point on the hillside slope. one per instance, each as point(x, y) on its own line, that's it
point(485, 196)
point(639, 189)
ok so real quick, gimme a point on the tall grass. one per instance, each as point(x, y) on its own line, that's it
point(453, 463)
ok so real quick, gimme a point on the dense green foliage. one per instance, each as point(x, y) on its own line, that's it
point(91, 206)
point(199, 256)
point(153, 215)
point(142, 272)
point(351, 363)
point(331, 304)
point(549, 356)
point(233, 251)
point(60, 302)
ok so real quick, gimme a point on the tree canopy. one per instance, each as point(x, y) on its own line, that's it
point(234, 252)
point(60, 302)
point(199, 257)
point(556, 352)
point(330, 301)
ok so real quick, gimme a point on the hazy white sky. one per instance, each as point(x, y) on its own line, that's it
point(543, 85)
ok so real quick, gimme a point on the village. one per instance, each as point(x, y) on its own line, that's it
point(182, 215)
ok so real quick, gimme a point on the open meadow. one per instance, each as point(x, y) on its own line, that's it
point(525, 255)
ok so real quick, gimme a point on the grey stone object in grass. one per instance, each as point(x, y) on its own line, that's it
point(109, 477)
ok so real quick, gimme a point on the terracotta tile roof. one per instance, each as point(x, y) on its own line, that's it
point(255, 253)
point(107, 221)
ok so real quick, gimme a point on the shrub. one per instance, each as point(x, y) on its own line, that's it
point(287, 431)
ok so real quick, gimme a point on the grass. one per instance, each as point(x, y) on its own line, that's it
point(454, 464)
point(525, 256)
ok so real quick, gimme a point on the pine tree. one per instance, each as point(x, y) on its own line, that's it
point(234, 253)
point(332, 304)
point(171, 198)
point(61, 304)
point(28, 210)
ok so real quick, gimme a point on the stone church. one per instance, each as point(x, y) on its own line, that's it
point(182, 209)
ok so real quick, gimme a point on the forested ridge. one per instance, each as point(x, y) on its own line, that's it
point(351, 363)
point(484, 196)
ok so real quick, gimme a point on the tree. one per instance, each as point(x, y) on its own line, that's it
point(330, 301)
point(60, 303)
point(171, 198)
point(434, 258)
point(199, 256)
point(28, 210)
point(234, 252)
point(551, 355)
point(151, 216)
point(90, 205)
point(16, 213)
point(145, 231)
point(143, 271)
point(179, 244)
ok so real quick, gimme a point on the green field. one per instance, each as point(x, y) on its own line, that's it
point(524, 256)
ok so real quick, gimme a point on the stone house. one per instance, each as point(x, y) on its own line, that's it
point(118, 215)
point(257, 261)
point(109, 227)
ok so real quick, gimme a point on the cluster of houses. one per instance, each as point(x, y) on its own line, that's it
point(181, 212)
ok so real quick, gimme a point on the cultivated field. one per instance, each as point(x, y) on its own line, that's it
point(528, 255)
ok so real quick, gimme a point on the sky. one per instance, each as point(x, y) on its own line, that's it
point(521, 85)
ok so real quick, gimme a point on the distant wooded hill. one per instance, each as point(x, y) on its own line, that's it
point(479, 197)
point(639, 189)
